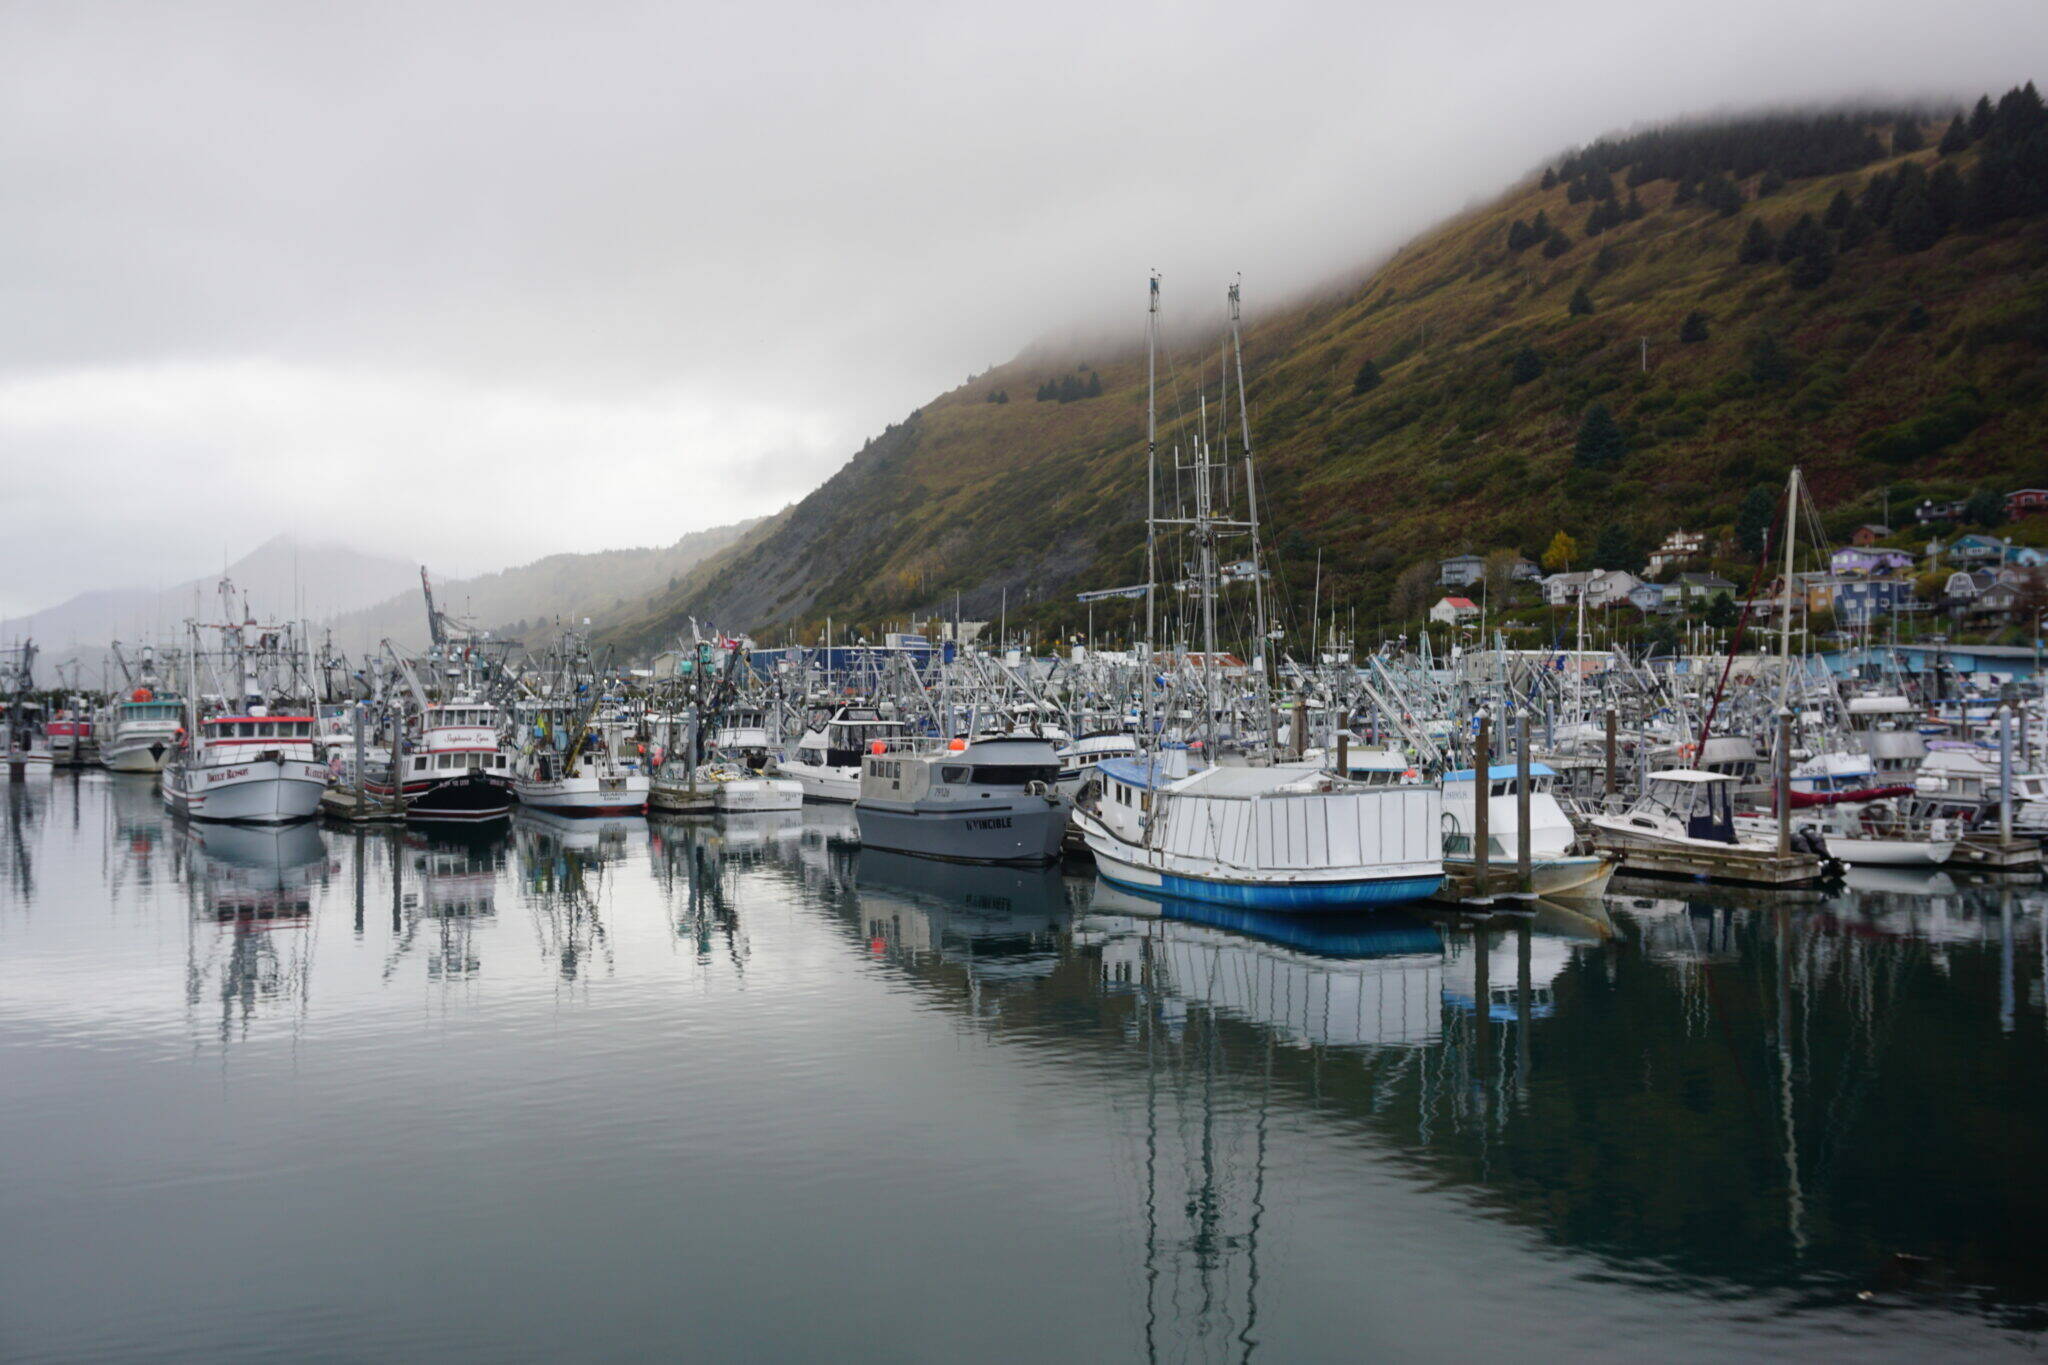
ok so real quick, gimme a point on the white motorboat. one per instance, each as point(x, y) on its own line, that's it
point(827, 759)
point(991, 799)
point(252, 768)
point(1557, 871)
point(1683, 825)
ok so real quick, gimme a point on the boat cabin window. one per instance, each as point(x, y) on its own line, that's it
point(956, 773)
point(1014, 774)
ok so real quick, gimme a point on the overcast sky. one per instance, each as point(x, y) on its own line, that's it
point(472, 283)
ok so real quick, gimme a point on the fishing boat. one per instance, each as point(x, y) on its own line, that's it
point(457, 768)
point(249, 767)
point(1558, 873)
point(140, 733)
point(990, 799)
point(1290, 836)
point(70, 734)
point(827, 761)
point(590, 776)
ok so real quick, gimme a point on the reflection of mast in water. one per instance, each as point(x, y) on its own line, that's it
point(250, 923)
point(691, 856)
point(24, 813)
point(565, 861)
point(1192, 1241)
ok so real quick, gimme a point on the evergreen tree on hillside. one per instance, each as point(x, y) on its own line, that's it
point(1539, 229)
point(1581, 304)
point(1980, 117)
point(1768, 363)
point(1367, 379)
point(1555, 245)
point(1549, 178)
point(1721, 613)
point(1615, 547)
point(1957, 138)
point(1876, 199)
point(1857, 230)
point(1913, 227)
point(1045, 392)
point(1600, 444)
point(1518, 235)
point(1906, 137)
point(1945, 191)
point(1524, 366)
point(1917, 319)
point(1986, 508)
point(1094, 385)
point(1816, 259)
point(1687, 191)
point(1633, 210)
point(1753, 519)
point(1694, 328)
point(1770, 182)
point(1757, 246)
point(1722, 195)
point(1838, 211)
point(1577, 191)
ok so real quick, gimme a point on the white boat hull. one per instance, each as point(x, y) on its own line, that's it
point(825, 784)
point(1890, 852)
point(137, 754)
point(262, 791)
point(759, 794)
point(622, 795)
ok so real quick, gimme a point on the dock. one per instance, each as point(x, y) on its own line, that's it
point(359, 808)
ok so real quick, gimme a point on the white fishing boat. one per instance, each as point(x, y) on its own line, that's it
point(140, 733)
point(249, 767)
point(828, 757)
point(590, 776)
point(1078, 758)
point(736, 788)
point(1558, 872)
point(1285, 837)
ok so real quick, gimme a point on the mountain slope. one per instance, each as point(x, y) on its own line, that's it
point(531, 601)
point(1872, 357)
point(278, 576)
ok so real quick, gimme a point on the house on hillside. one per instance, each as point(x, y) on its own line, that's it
point(1461, 571)
point(1859, 601)
point(1649, 599)
point(2026, 502)
point(1975, 549)
point(1698, 589)
point(1453, 611)
point(1866, 563)
point(1525, 571)
point(2024, 556)
point(1600, 587)
point(1929, 512)
point(1678, 547)
point(1962, 589)
point(2000, 602)
point(1868, 534)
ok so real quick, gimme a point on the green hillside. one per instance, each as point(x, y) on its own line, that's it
point(1871, 293)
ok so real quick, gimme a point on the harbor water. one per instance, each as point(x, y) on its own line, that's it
point(648, 1089)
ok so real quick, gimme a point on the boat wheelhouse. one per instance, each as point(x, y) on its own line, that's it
point(827, 761)
point(457, 769)
point(140, 734)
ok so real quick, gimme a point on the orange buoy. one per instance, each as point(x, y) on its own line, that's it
point(876, 746)
point(142, 694)
point(957, 745)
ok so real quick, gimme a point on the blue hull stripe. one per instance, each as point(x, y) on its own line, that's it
point(1315, 896)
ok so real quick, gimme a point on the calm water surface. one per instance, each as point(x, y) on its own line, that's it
point(634, 1090)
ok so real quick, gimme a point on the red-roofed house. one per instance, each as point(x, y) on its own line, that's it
point(1454, 610)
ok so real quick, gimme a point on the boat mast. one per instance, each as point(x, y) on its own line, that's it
point(1251, 493)
point(1205, 537)
point(1151, 494)
point(1785, 622)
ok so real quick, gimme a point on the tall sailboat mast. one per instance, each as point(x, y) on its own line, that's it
point(1251, 493)
point(1151, 494)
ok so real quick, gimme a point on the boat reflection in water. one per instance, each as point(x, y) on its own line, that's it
point(250, 891)
point(999, 922)
point(566, 864)
point(451, 871)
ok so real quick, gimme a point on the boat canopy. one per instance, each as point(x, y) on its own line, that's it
point(1506, 772)
point(1688, 775)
